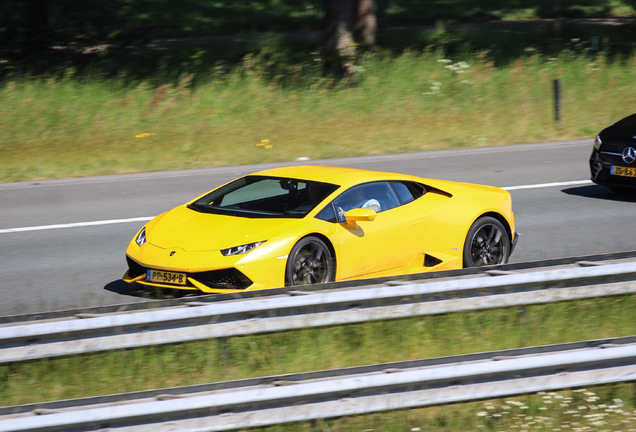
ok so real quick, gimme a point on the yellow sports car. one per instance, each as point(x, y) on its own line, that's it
point(313, 224)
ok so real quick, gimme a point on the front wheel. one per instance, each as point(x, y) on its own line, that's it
point(309, 262)
point(487, 243)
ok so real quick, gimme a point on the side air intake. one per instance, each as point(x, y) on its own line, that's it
point(431, 261)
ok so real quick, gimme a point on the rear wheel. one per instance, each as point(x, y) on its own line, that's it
point(309, 262)
point(487, 243)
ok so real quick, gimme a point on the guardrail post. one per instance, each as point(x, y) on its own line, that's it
point(557, 101)
point(225, 353)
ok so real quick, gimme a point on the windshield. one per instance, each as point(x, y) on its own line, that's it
point(262, 196)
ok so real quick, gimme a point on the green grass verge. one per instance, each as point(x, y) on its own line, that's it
point(326, 348)
point(65, 127)
point(607, 408)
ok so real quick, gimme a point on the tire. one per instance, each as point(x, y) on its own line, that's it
point(309, 262)
point(487, 243)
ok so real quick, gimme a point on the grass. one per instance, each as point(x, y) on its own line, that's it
point(607, 408)
point(317, 349)
point(71, 126)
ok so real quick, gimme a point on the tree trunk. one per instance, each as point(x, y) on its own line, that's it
point(365, 25)
point(338, 41)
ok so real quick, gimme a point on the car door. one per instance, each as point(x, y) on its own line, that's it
point(390, 241)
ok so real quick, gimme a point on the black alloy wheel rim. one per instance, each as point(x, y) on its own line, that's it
point(311, 265)
point(487, 246)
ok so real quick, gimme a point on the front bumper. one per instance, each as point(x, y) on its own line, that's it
point(600, 173)
point(208, 271)
point(214, 281)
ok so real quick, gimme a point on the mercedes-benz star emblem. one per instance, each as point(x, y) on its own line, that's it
point(629, 155)
point(174, 252)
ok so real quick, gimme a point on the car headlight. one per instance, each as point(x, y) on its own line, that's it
point(597, 142)
point(141, 237)
point(237, 250)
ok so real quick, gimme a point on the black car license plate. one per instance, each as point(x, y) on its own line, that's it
point(623, 171)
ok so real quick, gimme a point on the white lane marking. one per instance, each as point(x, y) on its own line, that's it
point(73, 225)
point(545, 185)
point(141, 219)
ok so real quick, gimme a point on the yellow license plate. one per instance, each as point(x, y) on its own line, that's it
point(623, 171)
point(166, 277)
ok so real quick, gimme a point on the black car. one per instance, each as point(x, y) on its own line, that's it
point(613, 160)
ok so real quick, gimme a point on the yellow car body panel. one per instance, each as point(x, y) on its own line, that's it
point(391, 242)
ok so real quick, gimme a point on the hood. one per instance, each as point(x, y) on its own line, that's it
point(618, 133)
point(192, 231)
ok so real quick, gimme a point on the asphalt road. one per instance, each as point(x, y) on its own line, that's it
point(558, 212)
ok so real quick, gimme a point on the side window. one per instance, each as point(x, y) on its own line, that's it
point(408, 191)
point(327, 214)
point(376, 195)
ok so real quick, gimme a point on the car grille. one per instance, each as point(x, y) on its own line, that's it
point(611, 152)
point(221, 279)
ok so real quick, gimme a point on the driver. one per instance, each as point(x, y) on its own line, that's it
point(357, 199)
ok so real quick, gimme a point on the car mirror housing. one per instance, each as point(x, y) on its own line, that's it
point(359, 214)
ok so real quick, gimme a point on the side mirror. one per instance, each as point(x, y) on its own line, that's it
point(359, 214)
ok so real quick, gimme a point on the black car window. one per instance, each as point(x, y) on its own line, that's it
point(408, 191)
point(263, 196)
point(376, 195)
point(327, 214)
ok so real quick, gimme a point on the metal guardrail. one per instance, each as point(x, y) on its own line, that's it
point(343, 392)
point(216, 298)
point(256, 316)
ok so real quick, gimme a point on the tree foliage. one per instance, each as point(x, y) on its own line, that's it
point(38, 35)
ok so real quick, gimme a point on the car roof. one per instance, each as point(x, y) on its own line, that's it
point(335, 175)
